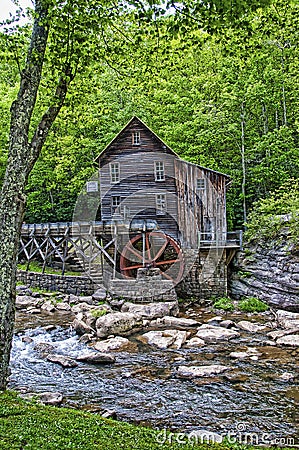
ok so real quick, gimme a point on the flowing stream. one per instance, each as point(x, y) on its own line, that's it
point(142, 386)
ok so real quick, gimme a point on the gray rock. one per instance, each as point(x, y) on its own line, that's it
point(73, 299)
point(116, 344)
point(86, 338)
point(25, 301)
point(286, 377)
point(81, 307)
point(250, 326)
point(100, 294)
point(176, 322)
point(201, 371)
point(96, 358)
point(152, 310)
point(48, 307)
point(280, 333)
point(81, 327)
point(227, 324)
point(195, 342)
point(165, 339)
point(43, 348)
point(212, 334)
point(63, 307)
point(291, 340)
point(50, 398)
point(86, 299)
point(63, 361)
point(109, 414)
point(118, 323)
point(287, 319)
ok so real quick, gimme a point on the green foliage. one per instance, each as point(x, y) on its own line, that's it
point(279, 210)
point(98, 312)
point(252, 304)
point(28, 425)
point(224, 303)
point(35, 266)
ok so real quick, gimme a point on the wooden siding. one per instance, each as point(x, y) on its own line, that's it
point(189, 210)
point(199, 210)
point(137, 187)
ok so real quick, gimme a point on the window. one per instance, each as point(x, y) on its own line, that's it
point(136, 138)
point(159, 171)
point(161, 204)
point(114, 172)
point(115, 203)
point(201, 184)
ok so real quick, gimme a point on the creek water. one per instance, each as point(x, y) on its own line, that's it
point(142, 386)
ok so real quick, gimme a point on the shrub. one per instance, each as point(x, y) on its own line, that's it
point(252, 304)
point(224, 303)
point(98, 313)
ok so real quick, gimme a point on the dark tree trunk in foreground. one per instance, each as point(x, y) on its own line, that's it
point(22, 156)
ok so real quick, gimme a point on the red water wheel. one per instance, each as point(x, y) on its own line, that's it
point(153, 249)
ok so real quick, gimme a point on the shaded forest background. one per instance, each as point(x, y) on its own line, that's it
point(227, 100)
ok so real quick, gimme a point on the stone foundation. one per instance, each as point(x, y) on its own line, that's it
point(68, 284)
point(147, 287)
point(207, 277)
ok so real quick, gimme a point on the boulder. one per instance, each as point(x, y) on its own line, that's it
point(50, 398)
point(116, 344)
point(195, 342)
point(43, 348)
point(96, 358)
point(81, 327)
point(81, 307)
point(63, 361)
point(48, 306)
point(118, 323)
point(165, 339)
point(250, 326)
point(73, 299)
point(287, 319)
point(291, 340)
point(86, 299)
point(151, 310)
point(176, 322)
point(251, 353)
point(212, 334)
point(25, 301)
point(63, 306)
point(280, 333)
point(100, 294)
point(201, 371)
point(23, 290)
point(286, 377)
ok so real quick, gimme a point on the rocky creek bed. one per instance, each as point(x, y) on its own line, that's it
point(230, 373)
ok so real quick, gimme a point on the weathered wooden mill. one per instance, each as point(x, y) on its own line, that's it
point(157, 212)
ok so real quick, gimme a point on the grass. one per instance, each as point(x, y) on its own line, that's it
point(34, 266)
point(252, 304)
point(26, 425)
point(224, 303)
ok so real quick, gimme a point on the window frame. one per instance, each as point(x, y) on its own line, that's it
point(201, 184)
point(112, 206)
point(113, 178)
point(161, 204)
point(136, 138)
point(159, 173)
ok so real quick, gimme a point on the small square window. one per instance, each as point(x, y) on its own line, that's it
point(136, 138)
point(161, 204)
point(200, 184)
point(159, 171)
point(114, 172)
point(115, 203)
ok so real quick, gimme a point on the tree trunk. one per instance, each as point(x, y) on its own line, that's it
point(243, 162)
point(22, 156)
